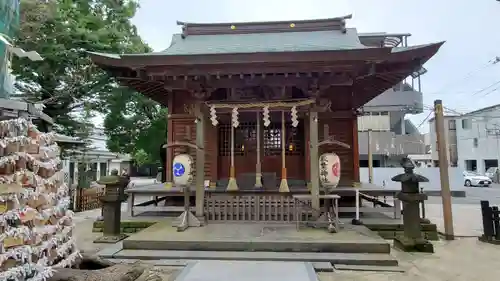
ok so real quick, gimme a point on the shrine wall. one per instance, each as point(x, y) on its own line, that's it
point(181, 127)
point(341, 129)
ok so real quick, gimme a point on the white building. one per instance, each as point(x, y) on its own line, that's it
point(450, 126)
point(98, 158)
point(473, 139)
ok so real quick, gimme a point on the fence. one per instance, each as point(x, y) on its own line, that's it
point(491, 221)
point(381, 175)
point(88, 199)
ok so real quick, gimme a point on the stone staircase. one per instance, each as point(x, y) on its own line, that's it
point(361, 253)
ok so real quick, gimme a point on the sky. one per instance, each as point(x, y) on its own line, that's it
point(459, 74)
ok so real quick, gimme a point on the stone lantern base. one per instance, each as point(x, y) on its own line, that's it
point(111, 239)
point(413, 245)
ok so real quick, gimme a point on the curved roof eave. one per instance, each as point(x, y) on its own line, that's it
point(368, 54)
point(139, 61)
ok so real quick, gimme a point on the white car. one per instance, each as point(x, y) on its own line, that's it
point(476, 179)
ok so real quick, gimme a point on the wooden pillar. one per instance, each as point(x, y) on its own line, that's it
point(314, 158)
point(370, 156)
point(443, 169)
point(170, 150)
point(355, 150)
point(200, 160)
point(258, 165)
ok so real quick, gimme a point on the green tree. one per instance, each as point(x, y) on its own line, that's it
point(134, 123)
point(62, 31)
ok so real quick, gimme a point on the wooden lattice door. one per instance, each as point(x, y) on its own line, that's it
point(245, 149)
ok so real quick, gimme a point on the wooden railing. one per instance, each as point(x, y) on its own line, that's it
point(254, 208)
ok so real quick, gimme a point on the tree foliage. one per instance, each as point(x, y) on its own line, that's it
point(135, 123)
point(62, 31)
point(66, 81)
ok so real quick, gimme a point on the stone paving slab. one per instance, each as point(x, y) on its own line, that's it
point(247, 271)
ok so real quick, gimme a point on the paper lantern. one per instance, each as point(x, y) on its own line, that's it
point(329, 164)
point(182, 169)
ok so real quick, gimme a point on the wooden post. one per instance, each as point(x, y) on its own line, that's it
point(284, 182)
point(370, 157)
point(200, 160)
point(314, 158)
point(258, 165)
point(169, 152)
point(355, 151)
point(443, 170)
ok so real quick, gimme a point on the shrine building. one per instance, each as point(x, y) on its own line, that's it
point(259, 102)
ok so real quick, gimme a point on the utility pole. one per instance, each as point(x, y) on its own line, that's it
point(443, 170)
point(370, 157)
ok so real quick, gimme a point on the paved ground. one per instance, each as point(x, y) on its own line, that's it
point(464, 259)
point(459, 260)
point(476, 194)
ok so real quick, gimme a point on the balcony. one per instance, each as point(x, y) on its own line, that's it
point(388, 143)
point(402, 98)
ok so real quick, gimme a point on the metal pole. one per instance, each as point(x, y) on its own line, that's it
point(443, 170)
point(370, 157)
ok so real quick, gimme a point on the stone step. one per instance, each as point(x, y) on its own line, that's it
point(378, 246)
point(334, 258)
point(373, 268)
point(323, 266)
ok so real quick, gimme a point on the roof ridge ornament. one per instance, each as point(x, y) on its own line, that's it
point(310, 25)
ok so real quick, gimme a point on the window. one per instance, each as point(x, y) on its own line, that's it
point(466, 124)
point(475, 142)
point(452, 125)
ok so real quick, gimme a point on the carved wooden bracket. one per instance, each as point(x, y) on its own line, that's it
point(202, 93)
point(315, 88)
point(329, 140)
point(332, 140)
point(183, 144)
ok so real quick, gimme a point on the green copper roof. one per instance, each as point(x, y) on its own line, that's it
point(263, 43)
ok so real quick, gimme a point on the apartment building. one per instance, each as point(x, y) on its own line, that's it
point(392, 135)
point(473, 139)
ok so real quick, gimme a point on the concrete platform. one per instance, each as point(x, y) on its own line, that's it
point(256, 237)
point(353, 245)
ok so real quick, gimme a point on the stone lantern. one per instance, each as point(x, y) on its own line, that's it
point(111, 207)
point(412, 240)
